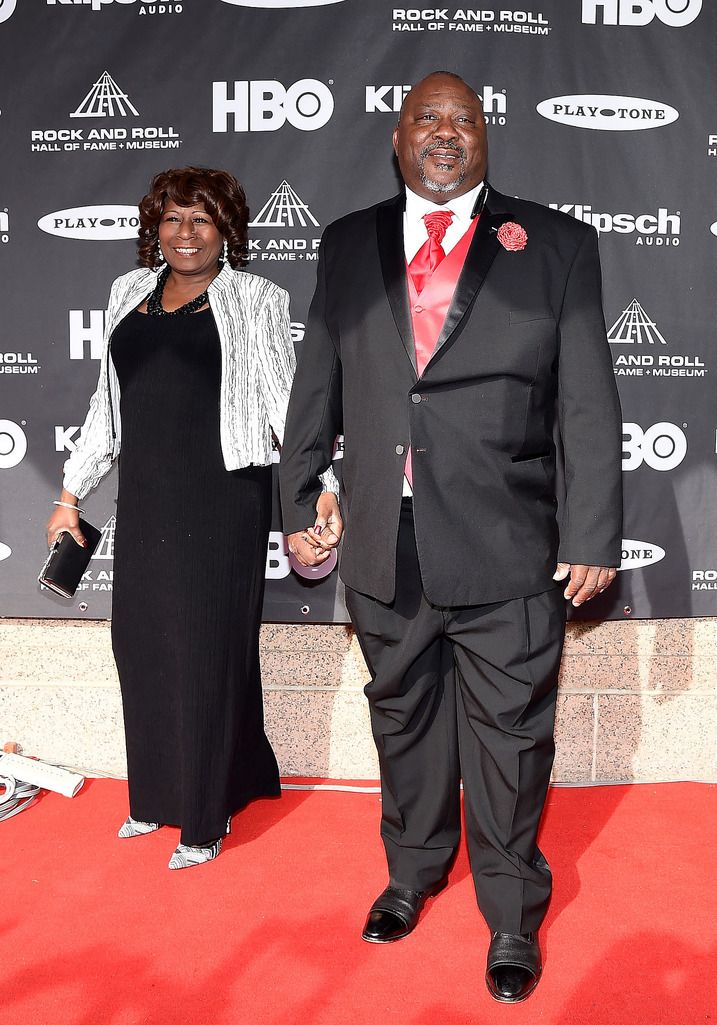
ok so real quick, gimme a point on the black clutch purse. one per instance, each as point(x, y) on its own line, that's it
point(67, 561)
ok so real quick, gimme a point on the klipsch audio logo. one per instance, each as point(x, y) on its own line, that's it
point(97, 223)
point(462, 19)
point(635, 328)
point(13, 444)
point(661, 446)
point(661, 228)
point(637, 554)
point(284, 210)
point(384, 99)
point(105, 99)
point(607, 113)
point(4, 226)
point(266, 106)
point(675, 13)
point(7, 8)
point(163, 7)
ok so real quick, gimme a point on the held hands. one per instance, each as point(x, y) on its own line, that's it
point(313, 545)
point(585, 581)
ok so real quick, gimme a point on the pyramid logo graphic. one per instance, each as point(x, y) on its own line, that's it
point(634, 326)
point(105, 99)
point(284, 209)
point(106, 547)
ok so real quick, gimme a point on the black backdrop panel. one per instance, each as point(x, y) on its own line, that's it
point(602, 108)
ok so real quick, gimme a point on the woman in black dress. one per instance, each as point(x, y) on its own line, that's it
point(196, 373)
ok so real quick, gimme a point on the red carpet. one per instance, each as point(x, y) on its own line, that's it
point(97, 931)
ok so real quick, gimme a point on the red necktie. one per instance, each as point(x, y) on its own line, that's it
point(431, 252)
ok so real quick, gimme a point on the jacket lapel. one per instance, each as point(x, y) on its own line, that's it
point(389, 230)
point(484, 249)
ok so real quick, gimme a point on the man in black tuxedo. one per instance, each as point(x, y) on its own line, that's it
point(452, 329)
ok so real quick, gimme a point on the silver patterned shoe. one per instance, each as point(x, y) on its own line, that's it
point(188, 857)
point(135, 827)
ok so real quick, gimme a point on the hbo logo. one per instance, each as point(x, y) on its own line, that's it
point(13, 444)
point(675, 13)
point(662, 446)
point(267, 106)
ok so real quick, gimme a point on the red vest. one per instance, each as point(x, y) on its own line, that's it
point(430, 308)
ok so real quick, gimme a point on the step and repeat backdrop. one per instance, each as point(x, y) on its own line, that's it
point(604, 109)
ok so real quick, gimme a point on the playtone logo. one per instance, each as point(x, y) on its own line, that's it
point(658, 229)
point(384, 99)
point(675, 13)
point(96, 223)
point(636, 554)
point(266, 106)
point(607, 113)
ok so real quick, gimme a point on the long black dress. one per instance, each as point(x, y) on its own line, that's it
point(190, 553)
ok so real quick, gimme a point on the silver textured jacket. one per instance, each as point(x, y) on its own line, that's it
point(252, 318)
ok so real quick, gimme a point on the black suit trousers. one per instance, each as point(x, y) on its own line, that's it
point(463, 693)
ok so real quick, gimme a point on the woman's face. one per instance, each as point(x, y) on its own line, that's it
point(189, 239)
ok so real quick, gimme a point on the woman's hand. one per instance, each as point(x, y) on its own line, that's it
point(64, 519)
point(313, 545)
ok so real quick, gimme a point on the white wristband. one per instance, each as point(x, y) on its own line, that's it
point(69, 505)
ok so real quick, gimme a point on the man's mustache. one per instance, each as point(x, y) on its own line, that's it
point(427, 150)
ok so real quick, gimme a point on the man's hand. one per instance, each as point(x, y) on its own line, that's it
point(314, 545)
point(585, 581)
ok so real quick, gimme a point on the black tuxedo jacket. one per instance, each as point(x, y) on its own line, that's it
point(523, 350)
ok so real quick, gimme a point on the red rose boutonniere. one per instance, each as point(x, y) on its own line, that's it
point(512, 236)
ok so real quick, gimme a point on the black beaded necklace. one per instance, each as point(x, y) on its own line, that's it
point(154, 302)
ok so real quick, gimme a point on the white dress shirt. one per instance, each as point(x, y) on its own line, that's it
point(415, 234)
point(414, 228)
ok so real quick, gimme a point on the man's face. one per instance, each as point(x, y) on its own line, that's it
point(441, 141)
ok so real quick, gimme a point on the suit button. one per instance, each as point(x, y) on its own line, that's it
point(400, 450)
point(416, 398)
point(418, 309)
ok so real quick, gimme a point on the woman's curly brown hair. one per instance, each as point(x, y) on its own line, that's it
point(223, 199)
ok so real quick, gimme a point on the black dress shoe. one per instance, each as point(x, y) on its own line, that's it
point(514, 966)
point(395, 913)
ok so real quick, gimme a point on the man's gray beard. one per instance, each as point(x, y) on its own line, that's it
point(442, 187)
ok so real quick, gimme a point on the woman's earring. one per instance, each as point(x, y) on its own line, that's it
point(225, 251)
point(160, 255)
